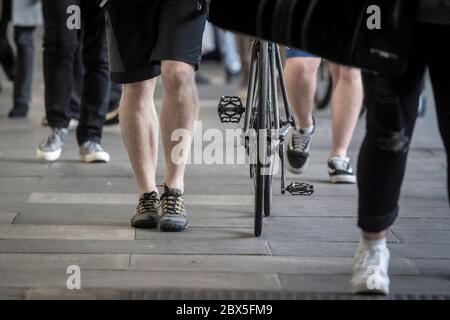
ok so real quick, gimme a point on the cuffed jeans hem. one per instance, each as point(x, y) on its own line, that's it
point(85, 139)
point(376, 224)
point(58, 125)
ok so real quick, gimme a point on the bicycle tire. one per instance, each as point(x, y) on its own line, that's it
point(262, 127)
point(268, 195)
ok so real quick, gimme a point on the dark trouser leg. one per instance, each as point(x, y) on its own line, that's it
point(60, 45)
point(7, 58)
point(96, 74)
point(5, 18)
point(439, 65)
point(24, 38)
point(391, 112)
point(115, 93)
point(78, 72)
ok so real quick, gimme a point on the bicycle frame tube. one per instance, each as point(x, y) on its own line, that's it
point(252, 86)
point(287, 106)
point(273, 71)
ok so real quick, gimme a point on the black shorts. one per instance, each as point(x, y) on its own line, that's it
point(142, 33)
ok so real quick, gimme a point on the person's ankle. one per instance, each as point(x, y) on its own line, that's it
point(338, 153)
point(369, 236)
point(307, 125)
point(175, 186)
point(371, 244)
point(374, 240)
point(146, 191)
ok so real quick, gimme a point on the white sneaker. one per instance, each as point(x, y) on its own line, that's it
point(370, 272)
point(91, 151)
point(50, 149)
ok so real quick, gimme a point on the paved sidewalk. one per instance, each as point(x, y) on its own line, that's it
point(68, 213)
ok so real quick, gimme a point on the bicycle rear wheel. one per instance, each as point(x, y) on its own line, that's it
point(261, 134)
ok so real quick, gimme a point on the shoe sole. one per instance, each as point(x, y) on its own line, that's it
point(172, 227)
point(98, 157)
point(295, 170)
point(374, 292)
point(144, 224)
point(48, 156)
point(343, 179)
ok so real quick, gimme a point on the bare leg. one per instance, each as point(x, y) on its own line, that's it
point(346, 106)
point(179, 111)
point(139, 124)
point(374, 236)
point(301, 82)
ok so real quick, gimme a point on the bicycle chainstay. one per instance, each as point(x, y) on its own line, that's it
point(230, 109)
point(300, 189)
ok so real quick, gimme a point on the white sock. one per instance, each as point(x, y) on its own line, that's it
point(373, 244)
point(308, 130)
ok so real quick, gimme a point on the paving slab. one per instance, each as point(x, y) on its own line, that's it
point(16, 231)
point(143, 280)
point(120, 215)
point(7, 218)
point(18, 184)
point(419, 224)
point(347, 249)
point(12, 294)
point(433, 266)
point(55, 209)
point(28, 262)
point(23, 168)
point(341, 284)
point(422, 236)
point(314, 229)
point(260, 264)
point(119, 198)
point(13, 198)
point(61, 294)
point(203, 185)
point(197, 233)
point(244, 246)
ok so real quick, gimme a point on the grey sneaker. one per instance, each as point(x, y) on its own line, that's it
point(51, 148)
point(91, 151)
point(173, 217)
point(298, 151)
point(340, 170)
point(147, 212)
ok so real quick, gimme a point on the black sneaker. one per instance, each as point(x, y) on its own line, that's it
point(147, 212)
point(173, 217)
point(298, 151)
point(340, 170)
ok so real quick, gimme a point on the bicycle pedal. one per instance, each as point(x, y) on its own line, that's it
point(230, 109)
point(300, 189)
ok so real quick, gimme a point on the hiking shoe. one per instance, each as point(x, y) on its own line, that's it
point(147, 212)
point(370, 271)
point(173, 212)
point(298, 150)
point(340, 170)
point(91, 151)
point(51, 148)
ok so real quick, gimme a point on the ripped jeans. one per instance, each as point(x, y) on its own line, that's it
point(392, 107)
